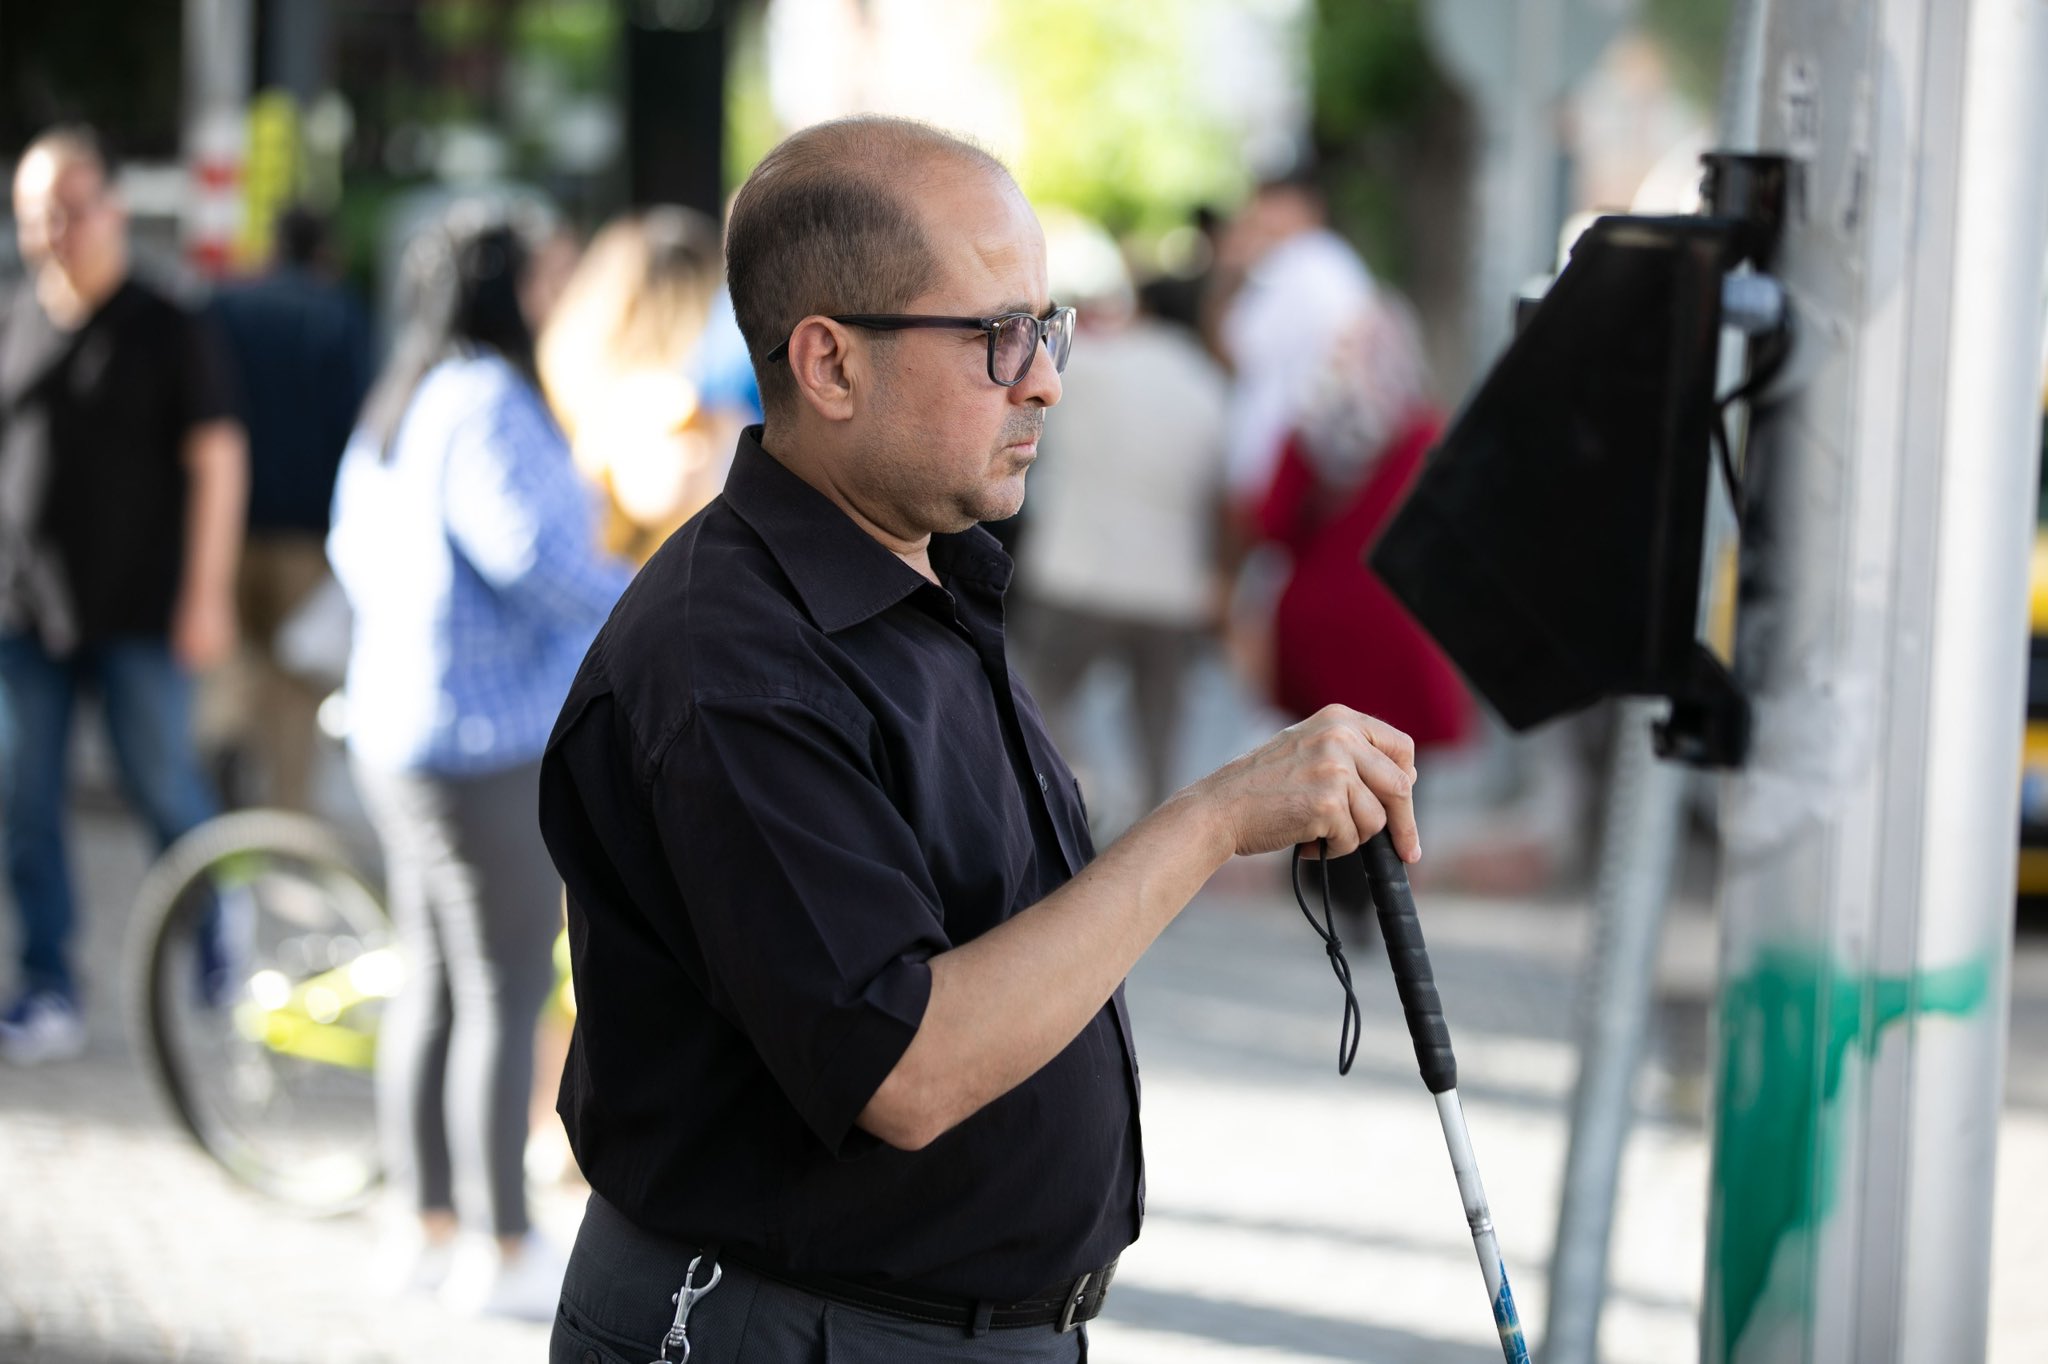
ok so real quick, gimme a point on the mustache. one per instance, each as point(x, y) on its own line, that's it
point(1023, 429)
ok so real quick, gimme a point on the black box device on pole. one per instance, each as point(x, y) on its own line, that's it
point(1553, 542)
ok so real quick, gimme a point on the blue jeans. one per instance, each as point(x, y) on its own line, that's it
point(148, 701)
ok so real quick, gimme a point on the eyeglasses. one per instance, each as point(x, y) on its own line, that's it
point(1013, 338)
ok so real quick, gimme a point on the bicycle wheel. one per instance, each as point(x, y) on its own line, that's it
point(265, 962)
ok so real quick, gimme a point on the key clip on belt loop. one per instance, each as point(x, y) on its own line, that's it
point(1074, 1297)
point(678, 1337)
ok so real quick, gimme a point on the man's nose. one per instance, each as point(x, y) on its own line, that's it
point(1041, 383)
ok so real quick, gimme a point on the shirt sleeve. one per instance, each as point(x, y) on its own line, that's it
point(208, 386)
point(522, 518)
point(808, 895)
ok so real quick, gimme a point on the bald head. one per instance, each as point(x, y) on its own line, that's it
point(66, 215)
point(828, 224)
point(59, 149)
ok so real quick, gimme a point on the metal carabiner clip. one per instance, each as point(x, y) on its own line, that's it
point(678, 1337)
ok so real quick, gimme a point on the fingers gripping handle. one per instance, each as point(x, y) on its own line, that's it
point(1388, 878)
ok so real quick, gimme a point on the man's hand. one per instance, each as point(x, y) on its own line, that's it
point(1337, 775)
point(1005, 1003)
point(202, 629)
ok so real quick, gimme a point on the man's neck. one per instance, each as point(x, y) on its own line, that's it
point(912, 549)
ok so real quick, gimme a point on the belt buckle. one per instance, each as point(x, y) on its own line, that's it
point(1074, 1297)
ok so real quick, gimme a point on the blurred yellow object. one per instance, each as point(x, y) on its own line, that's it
point(2037, 593)
point(2033, 877)
point(2033, 870)
point(565, 990)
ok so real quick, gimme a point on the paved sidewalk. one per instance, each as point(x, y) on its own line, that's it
point(1294, 1218)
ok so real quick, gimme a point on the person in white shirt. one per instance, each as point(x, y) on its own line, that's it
point(1119, 559)
point(1286, 287)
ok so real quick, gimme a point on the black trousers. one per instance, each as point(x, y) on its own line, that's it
point(617, 1305)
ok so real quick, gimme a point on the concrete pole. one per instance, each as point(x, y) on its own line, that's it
point(219, 57)
point(1519, 209)
point(1870, 844)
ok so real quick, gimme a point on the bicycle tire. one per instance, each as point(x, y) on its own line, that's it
point(300, 1132)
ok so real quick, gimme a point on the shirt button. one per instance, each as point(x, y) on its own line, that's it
point(1043, 784)
point(590, 1357)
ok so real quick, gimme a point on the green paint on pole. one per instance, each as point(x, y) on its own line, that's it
point(1787, 1030)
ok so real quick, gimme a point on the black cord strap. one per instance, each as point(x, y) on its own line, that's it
point(1348, 1032)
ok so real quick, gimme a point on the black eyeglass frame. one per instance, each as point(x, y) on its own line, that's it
point(990, 326)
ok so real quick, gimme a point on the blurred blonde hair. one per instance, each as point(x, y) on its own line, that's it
point(612, 361)
point(637, 300)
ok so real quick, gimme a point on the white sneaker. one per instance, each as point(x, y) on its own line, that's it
point(485, 1282)
point(43, 1026)
point(408, 1264)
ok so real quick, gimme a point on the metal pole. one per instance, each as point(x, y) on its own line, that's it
point(1639, 847)
point(1870, 844)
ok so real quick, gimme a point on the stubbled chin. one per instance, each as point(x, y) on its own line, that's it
point(1006, 497)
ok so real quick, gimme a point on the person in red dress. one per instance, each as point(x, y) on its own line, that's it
point(1338, 634)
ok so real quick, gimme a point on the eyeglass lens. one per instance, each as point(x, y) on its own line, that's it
point(1017, 344)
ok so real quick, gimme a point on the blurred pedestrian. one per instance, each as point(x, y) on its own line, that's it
point(615, 360)
point(301, 346)
point(1338, 635)
point(1283, 287)
point(851, 1021)
point(1182, 295)
point(467, 547)
point(122, 481)
point(1120, 563)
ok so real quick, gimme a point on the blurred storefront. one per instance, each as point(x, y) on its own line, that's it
point(225, 111)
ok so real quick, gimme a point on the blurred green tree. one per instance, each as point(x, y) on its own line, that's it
point(1694, 37)
point(1381, 113)
point(1112, 123)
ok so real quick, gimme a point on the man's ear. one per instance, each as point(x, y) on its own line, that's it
point(826, 366)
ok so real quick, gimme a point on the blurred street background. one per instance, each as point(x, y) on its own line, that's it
point(1294, 1217)
point(1296, 230)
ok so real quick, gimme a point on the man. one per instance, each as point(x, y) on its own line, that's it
point(1285, 288)
point(851, 1023)
point(301, 347)
point(121, 488)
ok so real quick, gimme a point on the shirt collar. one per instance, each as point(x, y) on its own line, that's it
point(842, 574)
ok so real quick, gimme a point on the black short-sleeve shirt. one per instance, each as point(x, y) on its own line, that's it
point(92, 475)
point(791, 771)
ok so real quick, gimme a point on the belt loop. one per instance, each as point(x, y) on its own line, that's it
point(984, 1310)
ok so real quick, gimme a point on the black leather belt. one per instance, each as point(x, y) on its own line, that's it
point(1063, 1308)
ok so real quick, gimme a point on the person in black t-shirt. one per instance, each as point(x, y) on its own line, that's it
point(848, 971)
point(122, 478)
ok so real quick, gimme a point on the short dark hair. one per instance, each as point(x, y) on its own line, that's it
point(1303, 180)
point(459, 289)
point(300, 237)
point(825, 224)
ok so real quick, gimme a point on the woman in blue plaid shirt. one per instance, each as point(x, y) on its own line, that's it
point(467, 546)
